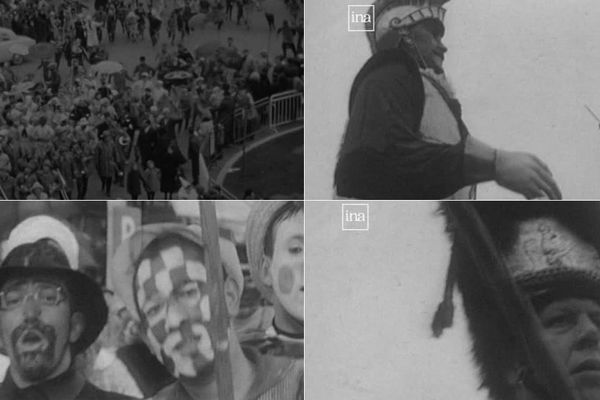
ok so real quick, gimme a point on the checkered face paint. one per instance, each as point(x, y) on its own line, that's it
point(172, 295)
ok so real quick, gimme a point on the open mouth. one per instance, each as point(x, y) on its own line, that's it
point(32, 340)
point(591, 365)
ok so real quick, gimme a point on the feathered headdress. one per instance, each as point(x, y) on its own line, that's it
point(551, 251)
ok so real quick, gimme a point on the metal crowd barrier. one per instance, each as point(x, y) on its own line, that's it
point(279, 109)
point(286, 107)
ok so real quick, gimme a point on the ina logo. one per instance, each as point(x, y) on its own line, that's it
point(355, 217)
point(361, 18)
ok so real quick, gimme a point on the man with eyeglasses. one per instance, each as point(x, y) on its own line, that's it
point(49, 313)
point(161, 276)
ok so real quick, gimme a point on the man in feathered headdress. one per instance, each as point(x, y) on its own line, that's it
point(405, 138)
point(551, 252)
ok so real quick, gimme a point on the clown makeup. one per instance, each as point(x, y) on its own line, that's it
point(35, 331)
point(172, 296)
point(287, 265)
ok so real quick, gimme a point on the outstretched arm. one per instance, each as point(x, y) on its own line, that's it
point(384, 156)
point(520, 172)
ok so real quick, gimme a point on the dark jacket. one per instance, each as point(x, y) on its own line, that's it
point(383, 155)
point(67, 386)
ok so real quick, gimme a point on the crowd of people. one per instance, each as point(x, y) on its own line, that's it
point(136, 128)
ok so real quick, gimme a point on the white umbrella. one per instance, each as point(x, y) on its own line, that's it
point(19, 49)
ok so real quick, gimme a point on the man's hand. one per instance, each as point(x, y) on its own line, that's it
point(526, 174)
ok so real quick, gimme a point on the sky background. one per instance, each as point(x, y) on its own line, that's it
point(523, 72)
point(370, 300)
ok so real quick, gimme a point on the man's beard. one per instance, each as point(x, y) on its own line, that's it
point(33, 346)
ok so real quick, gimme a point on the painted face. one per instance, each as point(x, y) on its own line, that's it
point(571, 327)
point(427, 36)
point(172, 295)
point(287, 265)
point(35, 326)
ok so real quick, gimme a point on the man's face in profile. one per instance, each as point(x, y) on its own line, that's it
point(427, 36)
point(571, 328)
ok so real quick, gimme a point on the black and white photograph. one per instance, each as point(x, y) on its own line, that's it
point(151, 99)
point(449, 99)
point(169, 300)
point(453, 300)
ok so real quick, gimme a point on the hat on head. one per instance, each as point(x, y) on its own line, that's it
point(401, 14)
point(43, 245)
point(551, 251)
point(126, 258)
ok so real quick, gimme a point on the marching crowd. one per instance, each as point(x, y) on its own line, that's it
point(135, 128)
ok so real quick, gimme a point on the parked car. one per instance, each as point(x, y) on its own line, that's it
point(9, 39)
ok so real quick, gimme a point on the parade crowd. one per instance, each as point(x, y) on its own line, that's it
point(136, 128)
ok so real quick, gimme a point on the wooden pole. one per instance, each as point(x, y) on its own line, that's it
point(492, 274)
point(219, 322)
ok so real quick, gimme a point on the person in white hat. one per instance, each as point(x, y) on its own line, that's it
point(275, 246)
point(161, 276)
point(405, 138)
point(552, 253)
point(49, 313)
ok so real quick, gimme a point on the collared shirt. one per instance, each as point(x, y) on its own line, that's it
point(68, 386)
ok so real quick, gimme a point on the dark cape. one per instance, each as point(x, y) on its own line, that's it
point(383, 155)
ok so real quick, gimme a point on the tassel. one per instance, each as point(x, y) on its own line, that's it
point(444, 316)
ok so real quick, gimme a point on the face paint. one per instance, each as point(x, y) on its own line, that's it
point(34, 344)
point(173, 297)
point(36, 336)
point(286, 280)
point(287, 265)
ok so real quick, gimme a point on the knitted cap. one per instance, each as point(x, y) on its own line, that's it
point(125, 260)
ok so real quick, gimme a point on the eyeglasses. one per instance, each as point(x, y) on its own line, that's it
point(47, 295)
